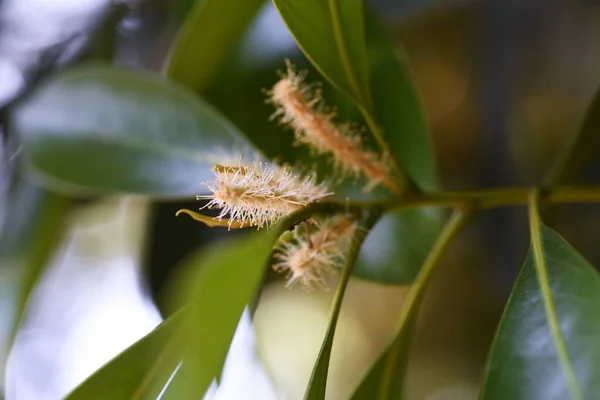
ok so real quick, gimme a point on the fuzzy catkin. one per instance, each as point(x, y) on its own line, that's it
point(309, 258)
point(301, 107)
point(259, 194)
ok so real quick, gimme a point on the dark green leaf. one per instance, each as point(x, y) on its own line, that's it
point(397, 106)
point(114, 130)
point(29, 234)
point(126, 376)
point(396, 247)
point(333, 38)
point(331, 34)
point(206, 38)
point(546, 346)
point(318, 380)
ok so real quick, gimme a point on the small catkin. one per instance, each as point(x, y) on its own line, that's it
point(309, 258)
point(301, 106)
point(260, 194)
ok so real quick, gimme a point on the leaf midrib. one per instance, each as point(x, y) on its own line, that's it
point(345, 56)
point(549, 306)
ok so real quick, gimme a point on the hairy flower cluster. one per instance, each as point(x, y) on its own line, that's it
point(301, 106)
point(260, 194)
point(309, 258)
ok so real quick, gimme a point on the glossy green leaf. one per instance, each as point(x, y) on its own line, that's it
point(104, 129)
point(331, 34)
point(546, 346)
point(147, 363)
point(318, 381)
point(206, 38)
point(385, 379)
point(31, 228)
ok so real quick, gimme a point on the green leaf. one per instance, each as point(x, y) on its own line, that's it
point(331, 34)
point(385, 380)
point(29, 235)
point(206, 38)
point(397, 105)
point(318, 380)
point(333, 37)
point(397, 246)
point(546, 345)
point(217, 293)
point(218, 283)
point(104, 129)
point(216, 287)
point(124, 377)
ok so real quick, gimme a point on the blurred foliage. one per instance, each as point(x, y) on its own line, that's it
point(28, 238)
point(89, 115)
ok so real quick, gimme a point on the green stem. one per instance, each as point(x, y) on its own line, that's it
point(414, 296)
point(318, 379)
point(483, 199)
